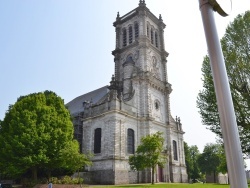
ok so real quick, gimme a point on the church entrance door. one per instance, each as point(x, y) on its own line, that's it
point(160, 174)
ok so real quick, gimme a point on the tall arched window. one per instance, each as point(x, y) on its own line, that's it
point(156, 39)
point(124, 37)
point(131, 141)
point(175, 150)
point(97, 140)
point(152, 36)
point(130, 34)
point(136, 30)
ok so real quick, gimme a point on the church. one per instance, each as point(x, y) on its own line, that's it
point(110, 121)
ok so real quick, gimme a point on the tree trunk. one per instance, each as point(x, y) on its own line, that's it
point(214, 177)
point(34, 173)
point(49, 176)
point(153, 175)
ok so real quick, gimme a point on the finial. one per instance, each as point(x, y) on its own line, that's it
point(142, 2)
point(118, 16)
point(112, 83)
point(160, 18)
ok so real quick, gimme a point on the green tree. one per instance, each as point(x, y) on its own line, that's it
point(209, 161)
point(187, 159)
point(236, 49)
point(37, 133)
point(223, 162)
point(191, 156)
point(149, 154)
point(72, 159)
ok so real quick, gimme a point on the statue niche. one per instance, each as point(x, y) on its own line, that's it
point(155, 68)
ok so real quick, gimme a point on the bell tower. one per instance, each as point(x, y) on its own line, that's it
point(140, 62)
point(141, 69)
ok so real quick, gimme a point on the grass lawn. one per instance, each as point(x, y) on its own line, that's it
point(169, 185)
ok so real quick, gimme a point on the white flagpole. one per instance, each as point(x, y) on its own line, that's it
point(235, 163)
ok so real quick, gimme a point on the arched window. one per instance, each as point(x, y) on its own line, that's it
point(130, 34)
point(152, 36)
point(175, 150)
point(97, 140)
point(131, 141)
point(156, 39)
point(136, 30)
point(124, 37)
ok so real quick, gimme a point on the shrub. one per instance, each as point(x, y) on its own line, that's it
point(54, 180)
point(66, 180)
point(77, 180)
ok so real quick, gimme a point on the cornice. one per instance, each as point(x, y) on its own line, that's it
point(157, 84)
point(109, 112)
point(139, 11)
point(121, 50)
point(126, 17)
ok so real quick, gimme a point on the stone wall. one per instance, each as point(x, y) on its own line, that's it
point(145, 176)
point(87, 177)
point(104, 177)
point(133, 177)
point(178, 174)
point(121, 177)
point(223, 178)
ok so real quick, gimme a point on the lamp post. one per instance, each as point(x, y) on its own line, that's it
point(229, 128)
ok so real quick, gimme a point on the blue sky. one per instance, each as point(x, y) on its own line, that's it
point(65, 46)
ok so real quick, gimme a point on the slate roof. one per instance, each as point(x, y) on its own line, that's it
point(76, 105)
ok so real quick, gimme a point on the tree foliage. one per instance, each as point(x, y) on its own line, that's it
point(236, 49)
point(212, 160)
point(37, 134)
point(149, 154)
point(223, 162)
point(72, 159)
point(191, 157)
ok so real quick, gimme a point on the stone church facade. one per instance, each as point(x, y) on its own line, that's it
point(110, 121)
